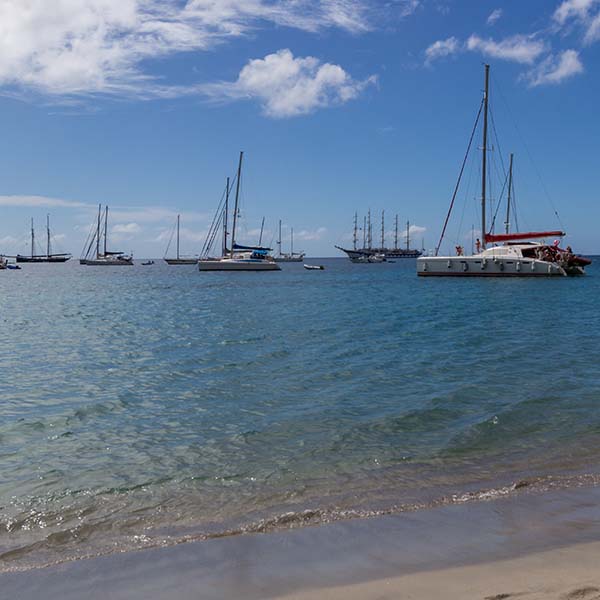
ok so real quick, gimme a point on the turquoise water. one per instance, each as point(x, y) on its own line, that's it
point(144, 406)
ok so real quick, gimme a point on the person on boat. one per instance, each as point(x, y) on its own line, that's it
point(477, 245)
point(459, 250)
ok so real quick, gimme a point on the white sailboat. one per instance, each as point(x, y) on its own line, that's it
point(179, 260)
point(525, 254)
point(290, 256)
point(238, 257)
point(101, 256)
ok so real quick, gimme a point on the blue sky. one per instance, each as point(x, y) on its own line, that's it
point(339, 105)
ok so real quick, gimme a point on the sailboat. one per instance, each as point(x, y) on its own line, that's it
point(102, 257)
point(49, 257)
point(238, 257)
point(3, 263)
point(290, 256)
point(525, 254)
point(179, 260)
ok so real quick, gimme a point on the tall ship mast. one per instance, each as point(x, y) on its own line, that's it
point(368, 252)
point(38, 257)
point(517, 254)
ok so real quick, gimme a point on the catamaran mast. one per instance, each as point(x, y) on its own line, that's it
point(292, 241)
point(355, 229)
point(105, 228)
point(396, 234)
point(279, 240)
point(382, 229)
point(510, 184)
point(484, 156)
point(48, 236)
point(237, 197)
point(177, 238)
point(32, 239)
point(262, 226)
point(98, 232)
point(225, 215)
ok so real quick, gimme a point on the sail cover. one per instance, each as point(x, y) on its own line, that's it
point(253, 248)
point(526, 235)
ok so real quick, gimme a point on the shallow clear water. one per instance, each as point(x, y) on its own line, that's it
point(150, 404)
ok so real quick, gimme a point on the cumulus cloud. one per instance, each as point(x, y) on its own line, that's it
point(556, 69)
point(311, 235)
point(441, 49)
point(417, 230)
point(80, 47)
point(126, 228)
point(584, 12)
point(517, 48)
point(40, 201)
point(288, 86)
point(494, 16)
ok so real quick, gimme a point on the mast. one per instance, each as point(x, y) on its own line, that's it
point(510, 184)
point(364, 232)
point(484, 155)
point(408, 235)
point(32, 239)
point(237, 198)
point(382, 229)
point(369, 231)
point(105, 228)
point(262, 226)
point(355, 229)
point(396, 234)
point(292, 241)
point(98, 232)
point(225, 214)
point(279, 240)
point(177, 238)
point(48, 236)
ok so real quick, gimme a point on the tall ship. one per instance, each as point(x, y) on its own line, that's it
point(178, 259)
point(233, 256)
point(95, 251)
point(290, 256)
point(49, 256)
point(370, 252)
point(507, 254)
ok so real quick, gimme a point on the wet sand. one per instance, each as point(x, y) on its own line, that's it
point(531, 546)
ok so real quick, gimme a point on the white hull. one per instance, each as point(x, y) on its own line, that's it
point(106, 262)
point(481, 266)
point(232, 264)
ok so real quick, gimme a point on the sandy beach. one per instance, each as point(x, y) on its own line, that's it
point(530, 545)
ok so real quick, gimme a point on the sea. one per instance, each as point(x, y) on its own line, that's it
point(148, 406)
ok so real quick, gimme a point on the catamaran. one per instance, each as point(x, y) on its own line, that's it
point(290, 256)
point(237, 257)
point(49, 257)
point(179, 260)
point(522, 254)
point(101, 256)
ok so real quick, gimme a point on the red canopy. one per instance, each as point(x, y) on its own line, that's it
point(526, 235)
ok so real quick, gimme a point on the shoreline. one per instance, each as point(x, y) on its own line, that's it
point(465, 543)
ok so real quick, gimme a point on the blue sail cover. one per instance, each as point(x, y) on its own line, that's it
point(257, 249)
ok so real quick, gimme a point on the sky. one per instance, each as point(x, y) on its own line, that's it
point(340, 106)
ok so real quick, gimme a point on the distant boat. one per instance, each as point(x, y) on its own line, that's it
point(148, 263)
point(368, 249)
point(290, 256)
point(239, 257)
point(102, 257)
point(314, 267)
point(13, 267)
point(518, 255)
point(179, 260)
point(3, 263)
point(49, 257)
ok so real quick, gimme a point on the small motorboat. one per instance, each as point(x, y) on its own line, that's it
point(314, 267)
point(13, 267)
point(148, 262)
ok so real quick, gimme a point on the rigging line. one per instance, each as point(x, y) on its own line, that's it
point(467, 189)
point(170, 240)
point(499, 203)
point(216, 217)
point(462, 168)
point(529, 155)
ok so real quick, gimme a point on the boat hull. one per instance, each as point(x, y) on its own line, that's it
point(42, 259)
point(284, 259)
point(237, 265)
point(477, 266)
point(181, 261)
point(106, 263)
point(386, 252)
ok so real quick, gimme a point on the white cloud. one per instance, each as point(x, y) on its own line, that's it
point(570, 9)
point(517, 48)
point(81, 47)
point(310, 235)
point(185, 234)
point(126, 228)
point(555, 70)
point(494, 16)
point(417, 230)
point(287, 86)
point(40, 201)
point(8, 240)
point(441, 49)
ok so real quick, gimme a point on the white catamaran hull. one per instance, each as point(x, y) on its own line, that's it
point(478, 266)
point(237, 265)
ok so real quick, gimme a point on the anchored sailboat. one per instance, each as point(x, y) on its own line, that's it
point(101, 256)
point(49, 257)
point(290, 256)
point(517, 255)
point(179, 260)
point(238, 257)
